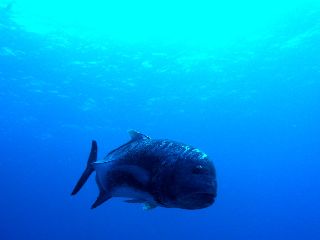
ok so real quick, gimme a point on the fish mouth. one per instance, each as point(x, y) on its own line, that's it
point(198, 200)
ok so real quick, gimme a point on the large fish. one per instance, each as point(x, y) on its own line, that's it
point(153, 172)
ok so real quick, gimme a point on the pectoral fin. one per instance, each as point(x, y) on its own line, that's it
point(138, 173)
point(135, 201)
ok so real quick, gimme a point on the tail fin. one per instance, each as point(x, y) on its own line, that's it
point(89, 169)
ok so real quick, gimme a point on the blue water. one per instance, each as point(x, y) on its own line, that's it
point(253, 106)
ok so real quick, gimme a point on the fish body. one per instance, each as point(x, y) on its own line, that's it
point(156, 172)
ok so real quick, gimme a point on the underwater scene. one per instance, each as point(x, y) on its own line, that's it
point(160, 120)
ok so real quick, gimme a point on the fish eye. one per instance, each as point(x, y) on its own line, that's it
point(199, 169)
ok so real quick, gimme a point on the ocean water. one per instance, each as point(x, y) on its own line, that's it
point(242, 85)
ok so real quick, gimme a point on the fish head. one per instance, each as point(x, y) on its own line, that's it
point(193, 183)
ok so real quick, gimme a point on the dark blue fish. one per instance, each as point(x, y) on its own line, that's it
point(154, 172)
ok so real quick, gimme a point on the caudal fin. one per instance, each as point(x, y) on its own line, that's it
point(89, 169)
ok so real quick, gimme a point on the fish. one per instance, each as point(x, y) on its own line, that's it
point(153, 172)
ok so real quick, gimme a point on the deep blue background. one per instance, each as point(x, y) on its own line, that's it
point(254, 108)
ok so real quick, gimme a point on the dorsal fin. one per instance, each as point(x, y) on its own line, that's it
point(136, 135)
